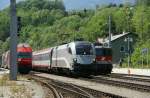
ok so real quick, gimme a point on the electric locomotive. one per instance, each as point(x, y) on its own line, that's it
point(72, 58)
point(24, 58)
point(103, 59)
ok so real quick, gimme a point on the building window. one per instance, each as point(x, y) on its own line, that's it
point(122, 49)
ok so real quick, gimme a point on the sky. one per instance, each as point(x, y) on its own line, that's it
point(74, 4)
point(80, 4)
point(5, 3)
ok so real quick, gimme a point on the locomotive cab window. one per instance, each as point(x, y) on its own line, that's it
point(84, 50)
point(103, 52)
point(24, 55)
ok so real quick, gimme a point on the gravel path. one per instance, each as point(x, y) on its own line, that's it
point(22, 88)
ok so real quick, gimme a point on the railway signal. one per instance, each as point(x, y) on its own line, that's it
point(18, 25)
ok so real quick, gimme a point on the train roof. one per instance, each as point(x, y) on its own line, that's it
point(72, 43)
point(82, 42)
point(23, 45)
point(43, 51)
point(46, 50)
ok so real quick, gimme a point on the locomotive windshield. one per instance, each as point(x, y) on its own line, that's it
point(103, 52)
point(24, 55)
point(84, 49)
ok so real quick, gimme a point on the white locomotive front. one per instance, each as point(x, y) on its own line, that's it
point(75, 57)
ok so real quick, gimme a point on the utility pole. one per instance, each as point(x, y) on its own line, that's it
point(109, 31)
point(13, 41)
point(129, 40)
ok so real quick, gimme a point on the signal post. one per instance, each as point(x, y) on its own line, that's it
point(13, 40)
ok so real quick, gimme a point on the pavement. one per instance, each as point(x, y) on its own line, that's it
point(145, 72)
point(22, 88)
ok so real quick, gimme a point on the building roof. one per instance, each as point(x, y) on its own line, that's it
point(116, 37)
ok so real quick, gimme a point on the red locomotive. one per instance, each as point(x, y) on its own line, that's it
point(24, 58)
point(103, 59)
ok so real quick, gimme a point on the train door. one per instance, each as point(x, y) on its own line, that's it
point(50, 56)
point(56, 57)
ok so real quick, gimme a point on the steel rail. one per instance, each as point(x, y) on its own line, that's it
point(97, 94)
point(134, 75)
point(59, 95)
point(55, 92)
point(90, 96)
point(72, 91)
point(126, 84)
point(131, 78)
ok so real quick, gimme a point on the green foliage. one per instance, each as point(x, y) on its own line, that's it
point(138, 57)
point(4, 25)
point(42, 4)
point(143, 2)
point(97, 26)
point(4, 46)
point(141, 22)
point(45, 23)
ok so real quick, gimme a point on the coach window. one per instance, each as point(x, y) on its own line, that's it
point(69, 50)
point(122, 49)
point(47, 56)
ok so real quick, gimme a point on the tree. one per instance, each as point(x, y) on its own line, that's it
point(4, 25)
point(143, 2)
point(141, 22)
point(97, 26)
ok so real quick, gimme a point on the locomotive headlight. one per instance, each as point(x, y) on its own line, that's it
point(19, 59)
point(94, 60)
point(75, 60)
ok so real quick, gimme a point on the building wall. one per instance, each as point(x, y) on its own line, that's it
point(118, 55)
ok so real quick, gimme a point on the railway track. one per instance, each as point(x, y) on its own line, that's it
point(131, 77)
point(68, 90)
point(138, 84)
point(56, 94)
point(121, 74)
point(72, 90)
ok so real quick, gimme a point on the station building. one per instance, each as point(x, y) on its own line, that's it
point(122, 46)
